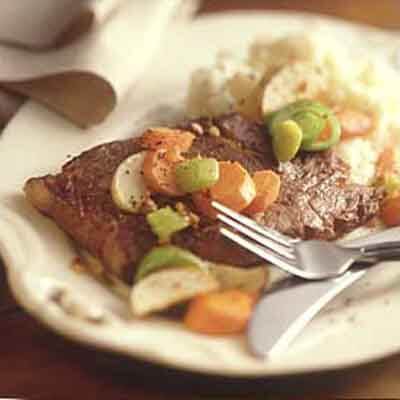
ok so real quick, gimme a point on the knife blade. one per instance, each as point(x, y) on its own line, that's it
point(283, 313)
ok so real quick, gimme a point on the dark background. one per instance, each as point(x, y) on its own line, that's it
point(384, 13)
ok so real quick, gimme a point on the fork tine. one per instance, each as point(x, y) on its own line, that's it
point(249, 223)
point(263, 253)
point(265, 241)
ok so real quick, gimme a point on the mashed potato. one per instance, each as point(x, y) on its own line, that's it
point(368, 85)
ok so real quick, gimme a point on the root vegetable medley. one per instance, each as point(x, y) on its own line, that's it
point(290, 154)
point(148, 218)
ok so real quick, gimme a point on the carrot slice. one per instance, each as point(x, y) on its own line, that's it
point(235, 188)
point(159, 171)
point(268, 185)
point(219, 313)
point(354, 123)
point(390, 212)
point(166, 138)
point(202, 202)
point(386, 163)
point(325, 134)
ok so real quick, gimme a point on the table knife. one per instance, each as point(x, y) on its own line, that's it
point(285, 310)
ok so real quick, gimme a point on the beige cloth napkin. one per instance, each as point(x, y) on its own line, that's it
point(40, 24)
point(86, 78)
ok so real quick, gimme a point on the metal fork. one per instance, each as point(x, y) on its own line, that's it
point(288, 306)
point(310, 260)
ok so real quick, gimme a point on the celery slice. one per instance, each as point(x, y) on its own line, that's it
point(165, 222)
point(197, 174)
point(287, 140)
point(167, 256)
point(312, 117)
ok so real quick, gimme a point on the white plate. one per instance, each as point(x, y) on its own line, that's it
point(360, 326)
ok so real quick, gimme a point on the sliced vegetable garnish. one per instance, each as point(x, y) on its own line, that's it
point(128, 188)
point(287, 140)
point(197, 174)
point(309, 115)
point(326, 143)
point(167, 256)
point(166, 288)
point(165, 222)
point(159, 171)
point(250, 280)
point(220, 312)
point(268, 185)
point(390, 211)
point(388, 161)
point(297, 80)
point(310, 124)
point(235, 187)
point(167, 138)
point(312, 118)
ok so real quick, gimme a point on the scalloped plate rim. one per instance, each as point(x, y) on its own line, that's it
point(16, 274)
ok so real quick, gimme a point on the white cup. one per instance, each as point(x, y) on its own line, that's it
point(36, 23)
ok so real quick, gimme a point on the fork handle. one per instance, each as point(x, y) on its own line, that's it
point(382, 250)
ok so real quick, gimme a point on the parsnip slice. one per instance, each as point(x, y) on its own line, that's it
point(128, 187)
point(247, 279)
point(163, 289)
point(293, 82)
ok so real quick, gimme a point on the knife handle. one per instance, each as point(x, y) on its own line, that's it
point(281, 315)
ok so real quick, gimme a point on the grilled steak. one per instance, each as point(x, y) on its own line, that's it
point(316, 199)
point(317, 202)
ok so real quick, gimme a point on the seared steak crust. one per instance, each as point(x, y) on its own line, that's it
point(316, 200)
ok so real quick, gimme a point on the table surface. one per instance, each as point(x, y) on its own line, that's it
point(36, 364)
